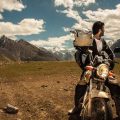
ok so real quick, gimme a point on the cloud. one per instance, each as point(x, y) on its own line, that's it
point(80, 23)
point(66, 29)
point(11, 5)
point(52, 42)
point(72, 3)
point(83, 2)
point(111, 18)
point(71, 14)
point(83, 25)
point(12, 37)
point(24, 27)
point(65, 3)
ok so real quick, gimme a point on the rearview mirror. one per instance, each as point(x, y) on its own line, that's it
point(117, 50)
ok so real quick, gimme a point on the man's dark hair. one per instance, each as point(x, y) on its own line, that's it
point(96, 26)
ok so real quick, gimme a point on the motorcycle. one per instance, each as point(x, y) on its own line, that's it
point(96, 101)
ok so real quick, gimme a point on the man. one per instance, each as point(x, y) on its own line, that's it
point(98, 45)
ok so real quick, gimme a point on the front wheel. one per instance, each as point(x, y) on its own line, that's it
point(100, 109)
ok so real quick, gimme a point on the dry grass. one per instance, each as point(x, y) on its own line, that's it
point(41, 90)
point(43, 68)
point(38, 68)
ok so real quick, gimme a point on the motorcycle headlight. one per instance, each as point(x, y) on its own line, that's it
point(102, 71)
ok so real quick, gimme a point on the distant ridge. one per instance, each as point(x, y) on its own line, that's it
point(22, 50)
point(116, 44)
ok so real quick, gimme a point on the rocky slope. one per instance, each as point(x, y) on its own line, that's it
point(22, 50)
point(116, 44)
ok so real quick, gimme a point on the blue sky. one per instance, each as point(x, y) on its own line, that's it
point(46, 23)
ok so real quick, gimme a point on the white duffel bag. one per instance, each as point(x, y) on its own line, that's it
point(82, 38)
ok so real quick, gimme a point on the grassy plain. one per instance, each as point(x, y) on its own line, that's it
point(41, 90)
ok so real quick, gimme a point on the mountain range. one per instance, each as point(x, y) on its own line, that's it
point(114, 45)
point(22, 50)
point(63, 54)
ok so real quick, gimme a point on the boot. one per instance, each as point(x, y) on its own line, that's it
point(74, 110)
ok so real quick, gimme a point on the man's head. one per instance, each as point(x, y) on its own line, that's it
point(98, 28)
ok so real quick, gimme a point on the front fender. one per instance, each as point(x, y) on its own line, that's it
point(99, 94)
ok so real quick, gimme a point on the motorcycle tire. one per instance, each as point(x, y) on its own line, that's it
point(100, 110)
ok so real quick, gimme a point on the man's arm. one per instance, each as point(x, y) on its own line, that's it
point(108, 50)
point(110, 53)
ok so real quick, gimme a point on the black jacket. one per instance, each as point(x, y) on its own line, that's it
point(82, 58)
point(105, 48)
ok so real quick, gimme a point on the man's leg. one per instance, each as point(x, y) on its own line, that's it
point(115, 93)
point(79, 93)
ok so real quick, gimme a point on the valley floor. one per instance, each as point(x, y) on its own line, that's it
point(41, 90)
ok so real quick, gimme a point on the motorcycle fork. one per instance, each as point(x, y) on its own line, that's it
point(90, 99)
point(100, 86)
point(87, 99)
